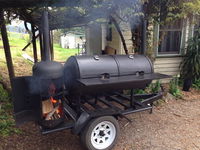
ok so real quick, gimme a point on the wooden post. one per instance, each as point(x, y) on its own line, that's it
point(51, 46)
point(34, 44)
point(120, 33)
point(6, 47)
point(41, 45)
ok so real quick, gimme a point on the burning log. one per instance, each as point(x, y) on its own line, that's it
point(50, 109)
point(51, 114)
point(47, 106)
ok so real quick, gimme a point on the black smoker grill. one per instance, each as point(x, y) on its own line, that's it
point(85, 95)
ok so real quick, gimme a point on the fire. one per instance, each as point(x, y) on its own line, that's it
point(53, 100)
point(52, 108)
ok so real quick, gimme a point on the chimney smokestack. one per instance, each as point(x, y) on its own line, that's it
point(46, 37)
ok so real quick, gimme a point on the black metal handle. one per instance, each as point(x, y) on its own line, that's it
point(140, 73)
point(105, 76)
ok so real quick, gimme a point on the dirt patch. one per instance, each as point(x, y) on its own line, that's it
point(21, 66)
point(174, 125)
point(192, 94)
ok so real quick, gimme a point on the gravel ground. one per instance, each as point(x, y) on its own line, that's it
point(174, 125)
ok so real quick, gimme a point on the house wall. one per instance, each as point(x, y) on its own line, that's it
point(93, 39)
point(169, 66)
point(71, 41)
point(116, 42)
point(68, 41)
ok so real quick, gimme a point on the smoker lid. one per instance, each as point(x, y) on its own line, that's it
point(99, 66)
point(92, 66)
point(131, 64)
point(48, 70)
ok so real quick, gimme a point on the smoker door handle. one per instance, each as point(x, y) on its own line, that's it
point(104, 76)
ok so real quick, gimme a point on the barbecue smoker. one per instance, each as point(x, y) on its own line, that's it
point(85, 95)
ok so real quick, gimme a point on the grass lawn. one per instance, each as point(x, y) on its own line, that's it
point(18, 42)
point(23, 67)
point(61, 54)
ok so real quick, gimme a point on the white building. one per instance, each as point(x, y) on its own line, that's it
point(72, 41)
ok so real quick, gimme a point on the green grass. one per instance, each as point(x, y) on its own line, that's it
point(7, 123)
point(18, 41)
point(61, 54)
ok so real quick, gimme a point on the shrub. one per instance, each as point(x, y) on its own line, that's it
point(190, 66)
point(173, 88)
point(155, 87)
point(7, 124)
point(196, 84)
point(139, 91)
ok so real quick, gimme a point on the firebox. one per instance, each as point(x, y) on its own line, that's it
point(40, 94)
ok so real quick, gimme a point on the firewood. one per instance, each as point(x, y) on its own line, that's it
point(50, 114)
point(47, 106)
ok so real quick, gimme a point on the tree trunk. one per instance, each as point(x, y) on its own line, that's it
point(120, 33)
point(6, 47)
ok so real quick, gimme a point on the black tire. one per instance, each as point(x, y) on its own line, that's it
point(106, 123)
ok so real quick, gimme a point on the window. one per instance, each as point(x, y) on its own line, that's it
point(170, 38)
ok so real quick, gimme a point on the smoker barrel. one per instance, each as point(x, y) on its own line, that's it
point(105, 67)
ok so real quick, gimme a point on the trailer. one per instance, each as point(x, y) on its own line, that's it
point(85, 95)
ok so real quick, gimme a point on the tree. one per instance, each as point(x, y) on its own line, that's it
point(169, 10)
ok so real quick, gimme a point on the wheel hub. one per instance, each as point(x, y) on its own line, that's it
point(101, 133)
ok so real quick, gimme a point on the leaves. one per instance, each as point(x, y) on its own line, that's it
point(196, 84)
point(165, 11)
point(7, 124)
point(173, 88)
point(190, 66)
point(155, 87)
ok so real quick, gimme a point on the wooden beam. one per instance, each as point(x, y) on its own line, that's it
point(51, 46)
point(120, 33)
point(30, 43)
point(6, 47)
point(34, 44)
point(41, 45)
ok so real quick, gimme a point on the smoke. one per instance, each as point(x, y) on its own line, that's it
point(83, 12)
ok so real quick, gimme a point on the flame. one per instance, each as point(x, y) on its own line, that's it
point(53, 100)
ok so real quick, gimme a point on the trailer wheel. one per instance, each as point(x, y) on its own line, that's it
point(101, 133)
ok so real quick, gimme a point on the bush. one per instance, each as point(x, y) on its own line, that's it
point(196, 84)
point(190, 66)
point(139, 91)
point(155, 87)
point(173, 88)
point(7, 124)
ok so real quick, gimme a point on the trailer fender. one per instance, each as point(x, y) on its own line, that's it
point(81, 122)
